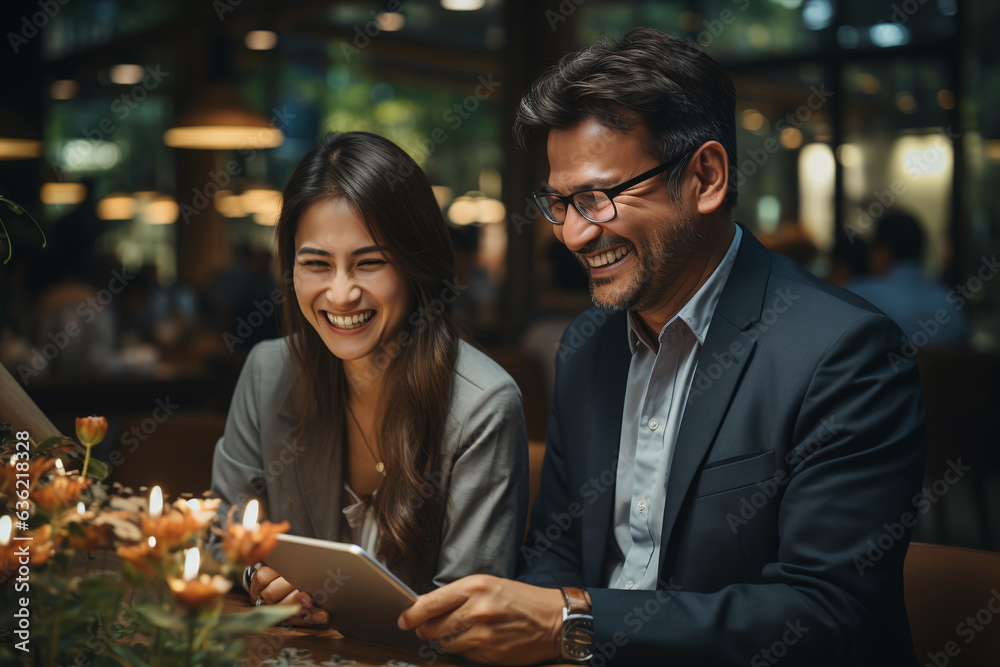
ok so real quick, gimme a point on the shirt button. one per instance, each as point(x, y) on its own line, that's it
point(653, 424)
point(641, 504)
point(629, 584)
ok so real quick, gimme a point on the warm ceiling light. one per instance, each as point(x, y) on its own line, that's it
point(443, 194)
point(163, 210)
point(19, 149)
point(790, 138)
point(463, 5)
point(127, 75)
point(264, 204)
point(63, 89)
point(261, 40)
point(230, 205)
point(221, 121)
point(463, 211)
point(117, 206)
point(391, 21)
point(63, 193)
point(752, 119)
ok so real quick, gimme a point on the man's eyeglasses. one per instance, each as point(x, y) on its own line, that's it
point(596, 205)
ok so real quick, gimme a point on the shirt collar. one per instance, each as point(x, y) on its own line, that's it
point(698, 311)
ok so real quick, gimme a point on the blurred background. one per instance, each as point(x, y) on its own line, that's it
point(151, 140)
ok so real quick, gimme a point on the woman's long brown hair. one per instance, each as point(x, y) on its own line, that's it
point(393, 197)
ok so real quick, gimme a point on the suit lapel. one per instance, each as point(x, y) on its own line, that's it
point(315, 478)
point(605, 420)
point(728, 348)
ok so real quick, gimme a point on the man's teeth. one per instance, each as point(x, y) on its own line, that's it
point(351, 321)
point(607, 257)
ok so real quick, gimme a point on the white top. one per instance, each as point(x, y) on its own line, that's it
point(359, 527)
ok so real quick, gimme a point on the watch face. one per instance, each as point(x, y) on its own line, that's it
point(576, 633)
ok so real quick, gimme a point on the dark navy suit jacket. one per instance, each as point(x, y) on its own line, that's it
point(791, 493)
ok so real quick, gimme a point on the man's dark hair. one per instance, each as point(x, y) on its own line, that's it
point(680, 94)
point(902, 235)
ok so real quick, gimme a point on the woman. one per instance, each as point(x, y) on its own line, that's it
point(371, 422)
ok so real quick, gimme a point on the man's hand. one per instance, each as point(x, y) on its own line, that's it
point(269, 585)
point(490, 619)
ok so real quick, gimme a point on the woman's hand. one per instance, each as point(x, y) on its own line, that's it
point(268, 585)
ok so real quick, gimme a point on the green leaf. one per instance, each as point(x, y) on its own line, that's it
point(159, 618)
point(50, 442)
point(259, 618)
point(97, 469)
point(130, 655)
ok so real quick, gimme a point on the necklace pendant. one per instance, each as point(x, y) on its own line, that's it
point(380, 467)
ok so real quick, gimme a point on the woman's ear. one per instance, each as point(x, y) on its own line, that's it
point(709, 169)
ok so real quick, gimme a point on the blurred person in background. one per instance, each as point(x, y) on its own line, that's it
point(928, 313)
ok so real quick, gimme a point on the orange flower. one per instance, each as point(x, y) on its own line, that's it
point(174, 528)
point(199, 592)
point(144, 558)
point(94, 537)
point(39, 549)
point(247, 547)
point(35, 469)
point(61, 491)
point(91, 430)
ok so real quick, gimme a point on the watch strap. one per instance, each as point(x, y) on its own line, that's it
point(576, 600)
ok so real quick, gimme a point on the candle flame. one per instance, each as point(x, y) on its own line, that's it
point(59, 467)
point(192, 561)
point(151, 541)
point(6, 526)
point(80, 507)
point(250, 514)
point(156, 502)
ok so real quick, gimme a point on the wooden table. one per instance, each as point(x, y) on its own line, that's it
point(324, 647)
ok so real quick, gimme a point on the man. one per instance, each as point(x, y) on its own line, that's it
point(730, 456)
point(924, 309)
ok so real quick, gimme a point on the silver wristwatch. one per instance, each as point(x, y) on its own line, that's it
point(577, 626)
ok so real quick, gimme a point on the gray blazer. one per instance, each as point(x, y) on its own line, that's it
point(484, 461)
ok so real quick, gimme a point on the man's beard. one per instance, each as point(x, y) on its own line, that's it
point(662, 259)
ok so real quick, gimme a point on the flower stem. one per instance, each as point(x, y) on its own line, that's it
point(86, 462)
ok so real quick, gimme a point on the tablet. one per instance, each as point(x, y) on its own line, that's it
point(363, 597)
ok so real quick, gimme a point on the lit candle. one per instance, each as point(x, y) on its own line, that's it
point(155, 502)
point(250, 515)
point(6, 526)
point(151, 541)
point(192, 561)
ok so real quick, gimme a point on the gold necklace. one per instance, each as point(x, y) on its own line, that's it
point(379, 466)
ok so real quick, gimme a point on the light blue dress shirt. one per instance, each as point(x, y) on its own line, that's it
point(657, 390)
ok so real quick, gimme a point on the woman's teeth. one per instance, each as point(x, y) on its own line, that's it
point(351, 321)
point(606, 258)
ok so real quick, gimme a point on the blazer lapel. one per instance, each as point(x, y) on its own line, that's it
point(727, 346)
point(608, 402)
point(315, 478)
